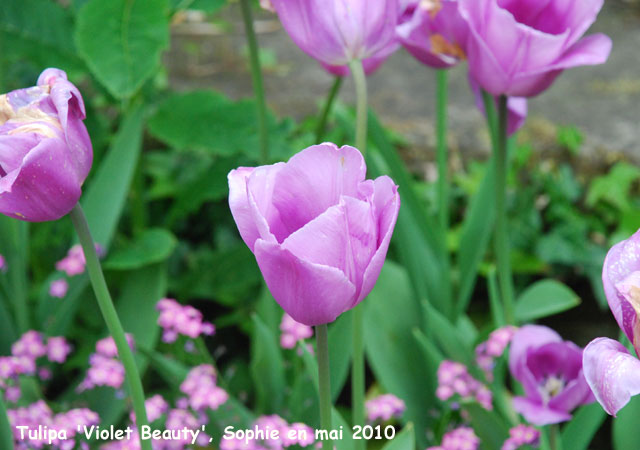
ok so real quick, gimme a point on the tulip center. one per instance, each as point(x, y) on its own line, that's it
point(541, 15)
point(551, 387)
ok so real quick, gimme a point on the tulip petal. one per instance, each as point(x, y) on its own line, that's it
point(266, 217)
point(386, 201)
point(239, 205)
point(296, 193)
point(311, 294)
point(575, 393)
point(537, 414)
point(612, 373)
point(528, 336)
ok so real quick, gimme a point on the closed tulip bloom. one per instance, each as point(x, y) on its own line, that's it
point(336, 32)
point(611, 371)
point(319, 230)
point(550, 371)
point(434, 33)
point(519, 47)
point(45, 151)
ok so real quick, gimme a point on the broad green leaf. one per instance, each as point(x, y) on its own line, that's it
point(209, 122)
point(476, 234)
point(406, 440)
point(267, 368)
point(614, 187)
point(209, 6)
point(8, 333)
point(391, 314)
point(40, 31)
point(447, 336)
point(121, 41)
point(6, 433)
point(625, 426)
point(14, 246)
point(151, 246)
point(544, 298)
point(578, 433)
point(489, 427)
point(340, 350)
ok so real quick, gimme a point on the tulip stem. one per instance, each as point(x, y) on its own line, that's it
point(111, 318)
point(555, 443)
point(324, 379)
point(326, 111)
point(360, 81)
point(502, 237)
point(6, 434)
point(256, 76)
point(357, 365)
point(441, 146)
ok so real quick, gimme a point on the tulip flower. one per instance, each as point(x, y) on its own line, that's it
point(336, 32)
point(319, 230)
point(550, 371)
point(611, 371)
point(45, 151)
point(519, 47)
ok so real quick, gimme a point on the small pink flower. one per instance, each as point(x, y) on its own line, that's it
point(293, 331)
point(461, 438)
point(521, 435)
point(58, 288)
point(3, 264)
point(58, 349)
point(384, 407)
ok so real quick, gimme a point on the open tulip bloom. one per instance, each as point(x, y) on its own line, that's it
point(551, 374)
point(319, 230)
point(611, 371)
point(45, 150)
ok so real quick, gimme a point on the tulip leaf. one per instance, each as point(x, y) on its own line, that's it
point(489, 427)
point(578, 433)
point(340, 332)
point(208, 122)
point(267, 368)
point(406, 440)
point(6, 433)
point(121, 41)
point(151, 246)
point(625, 426)
point(544, 298)
point(447, 335)
point(14, 246)
point(391, 314)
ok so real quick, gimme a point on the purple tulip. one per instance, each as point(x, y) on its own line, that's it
point(45, 150)
point(336, 32)
point(518, 47)
point(516, 107)
point(611, 371)
point(550, 371)
point(319, 230)
point(434, 33)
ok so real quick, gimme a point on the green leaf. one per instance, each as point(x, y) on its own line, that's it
point(209, 6)
point(476, 234)
point(37, 30)
point(614, 187)
point(121, 41)
point(391, 314)
point(625, 426)
point(340, 333)
point(14, 246)
point(6, 433)
point(151, 246)
point(406, 440)
point(544, 298)
point(267, 368)
point(578, 433)
point(447, 336)
point(209, 122)
point(489, 427)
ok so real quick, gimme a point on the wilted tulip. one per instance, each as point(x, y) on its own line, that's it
point(319, 230)
point(550, 371)
point(45, 151)
point(518, 47)
point(611, 371)
point(336, 32)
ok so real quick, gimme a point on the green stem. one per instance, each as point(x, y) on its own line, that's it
point(111, 318)
point(502, 237)
point(256, 75)
point(441, 146)
point(555, 443)
point(326, 111)
point(324, 379)
point(360, 81)
point(6, 434)
point(357, 367)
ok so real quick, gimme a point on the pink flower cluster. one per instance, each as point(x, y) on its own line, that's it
point(177, 319)
point(492, 348)
point(293, 331)
point(454, 379)
point(25, 353)
point(384, 407)
point(521, 435)
point(201, 389)
point(39, 414)
point(156, 406)
point(288, 435)
point(461, 438)
point(105, 369)
point(72, 264)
